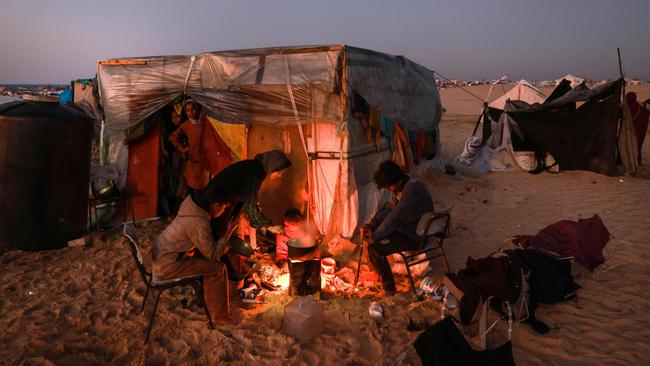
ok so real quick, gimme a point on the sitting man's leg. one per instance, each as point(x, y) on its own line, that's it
point(215, 284)
point(377, 252)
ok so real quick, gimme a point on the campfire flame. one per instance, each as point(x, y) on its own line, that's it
point(282, 281)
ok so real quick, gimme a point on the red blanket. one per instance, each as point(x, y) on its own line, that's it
point(584, 240)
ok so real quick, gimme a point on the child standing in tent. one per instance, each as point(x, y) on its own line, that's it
point(184, 139)
point(294, 228)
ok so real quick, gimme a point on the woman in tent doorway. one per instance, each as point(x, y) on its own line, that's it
point(184, 139)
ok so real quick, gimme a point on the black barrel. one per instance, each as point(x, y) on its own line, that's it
point(44, 174)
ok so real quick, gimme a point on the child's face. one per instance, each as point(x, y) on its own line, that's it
point(190, 110)
point(176, 118)
point(289, 223)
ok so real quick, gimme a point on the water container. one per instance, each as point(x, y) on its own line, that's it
point(44, 173)
point(303, 318)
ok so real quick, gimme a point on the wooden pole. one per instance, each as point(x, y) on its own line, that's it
point(620, 64)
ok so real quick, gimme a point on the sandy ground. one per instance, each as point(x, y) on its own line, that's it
point(80, 305)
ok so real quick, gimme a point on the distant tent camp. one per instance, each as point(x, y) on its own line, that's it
point(557, 134)
point(574, 80)
point(298, 99)
point(630, 81)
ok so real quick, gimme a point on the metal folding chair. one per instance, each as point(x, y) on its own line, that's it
point(433, 227)
point(159, 286)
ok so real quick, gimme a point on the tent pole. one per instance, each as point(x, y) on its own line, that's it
point(344, 82)
point(302, 134)
point(480, 117)
point(620, 64)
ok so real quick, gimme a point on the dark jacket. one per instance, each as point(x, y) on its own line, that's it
point(496, 275)
point(403, 213)
point(243, 179)
point(444, 345)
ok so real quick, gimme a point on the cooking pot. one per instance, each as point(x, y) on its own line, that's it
point(240, 246)
point(302, 250)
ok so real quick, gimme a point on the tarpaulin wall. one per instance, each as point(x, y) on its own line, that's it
point(585, 138)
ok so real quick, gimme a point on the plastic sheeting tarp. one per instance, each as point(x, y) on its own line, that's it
point(497, 154)
point(273, 86)
point(249, 86)
point(395, 86)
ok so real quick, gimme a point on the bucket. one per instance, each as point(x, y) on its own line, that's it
point(328, 266)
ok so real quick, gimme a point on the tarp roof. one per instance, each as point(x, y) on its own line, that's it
point(581, 94)
point(277, 86)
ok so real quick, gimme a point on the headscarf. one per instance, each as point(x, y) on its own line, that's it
point(273, 161)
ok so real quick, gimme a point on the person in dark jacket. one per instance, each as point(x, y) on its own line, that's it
point(393, 228)
point(244, 178)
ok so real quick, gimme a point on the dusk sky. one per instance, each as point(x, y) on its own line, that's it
point(58, 41)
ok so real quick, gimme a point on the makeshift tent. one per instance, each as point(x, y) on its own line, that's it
point(585, 137)
point(299, 99)
point(574, 80)
point(522, 91)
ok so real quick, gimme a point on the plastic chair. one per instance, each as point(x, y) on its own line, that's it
point(159, 286)
point(433, 227)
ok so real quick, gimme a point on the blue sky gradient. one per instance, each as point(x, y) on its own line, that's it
point(58, 41)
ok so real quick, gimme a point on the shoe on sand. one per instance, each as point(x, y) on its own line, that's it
point(227, 320)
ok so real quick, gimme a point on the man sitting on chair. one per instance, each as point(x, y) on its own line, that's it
point(393, 228)
point(186, 246)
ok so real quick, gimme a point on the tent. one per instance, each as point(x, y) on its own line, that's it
point(574, 129)
point(523, 91)
point(574, 80)
point(299, 99)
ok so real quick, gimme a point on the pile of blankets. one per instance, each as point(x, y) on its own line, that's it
point(537, 271)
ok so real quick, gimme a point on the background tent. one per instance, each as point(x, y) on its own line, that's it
point(522, 91)
point(574, 80)
point(584, 137)
point(298, 99)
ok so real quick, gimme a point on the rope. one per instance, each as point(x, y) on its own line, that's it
point(302, 135)
point(237, 343)
point(467, 91)
point(489, 329)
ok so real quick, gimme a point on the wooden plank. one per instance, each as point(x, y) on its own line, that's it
point(122, 62)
